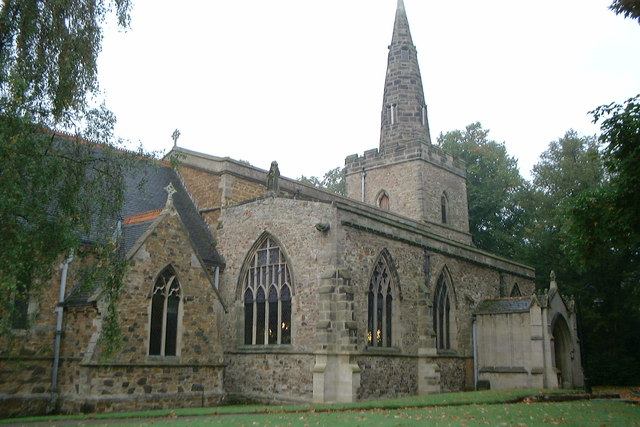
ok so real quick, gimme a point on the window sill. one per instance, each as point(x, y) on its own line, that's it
point(163, 360)
point(382, 350)
point(447, 352)
point(259, 349)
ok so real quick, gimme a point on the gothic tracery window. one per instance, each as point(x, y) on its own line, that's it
point(165, 307)
point(380, 306)
point(267, 297)
point(442, 314)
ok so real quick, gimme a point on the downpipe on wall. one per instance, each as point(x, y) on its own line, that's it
point(474, 332)
point(56, 348)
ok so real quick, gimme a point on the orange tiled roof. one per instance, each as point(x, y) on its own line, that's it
point(142, 217)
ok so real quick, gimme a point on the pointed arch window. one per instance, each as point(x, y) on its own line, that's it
point(380, 306)
point(165, 313)
point(444, 208)
point(515, 291)
point(442, 314)
point(267, 297)
point(383, 200)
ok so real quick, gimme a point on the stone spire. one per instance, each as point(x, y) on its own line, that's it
point(404, 111)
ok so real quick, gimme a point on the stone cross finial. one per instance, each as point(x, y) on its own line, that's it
point(273, 177)
point(175, 135)
point(170, 189)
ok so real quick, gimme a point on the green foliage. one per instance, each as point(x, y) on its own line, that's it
point(48, 56)
point(494, 188)
point(333, 180)
point(603, 244)
point(463, 409)
point(627, 8)
point(569, 167)
point(56, 190)
point(106, 273)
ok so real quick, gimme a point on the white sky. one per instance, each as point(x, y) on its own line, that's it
point(301, 81)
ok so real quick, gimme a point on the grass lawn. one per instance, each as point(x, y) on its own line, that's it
point(455, 409)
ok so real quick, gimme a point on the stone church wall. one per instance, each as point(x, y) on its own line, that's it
point(130, 379)
point(267, 376)
point(387, 376)
point(292, 224)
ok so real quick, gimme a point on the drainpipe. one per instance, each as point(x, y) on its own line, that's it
point(363, 175)
point(60, 311)
point(474, 328)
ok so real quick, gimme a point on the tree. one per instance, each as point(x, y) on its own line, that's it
point(494, 188)
point(603, 244)
point(628, 8)
point(56, 188)
point(333, 180)
point(570, 166)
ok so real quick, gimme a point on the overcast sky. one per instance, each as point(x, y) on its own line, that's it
point(301, 81)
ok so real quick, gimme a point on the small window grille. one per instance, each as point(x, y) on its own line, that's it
point(20, 314)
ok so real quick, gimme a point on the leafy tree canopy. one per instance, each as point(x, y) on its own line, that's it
point(56, 189)
point(627, 8)
point(494, 188)
point(333, 180)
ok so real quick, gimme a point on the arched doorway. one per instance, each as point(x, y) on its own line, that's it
point(562, 352)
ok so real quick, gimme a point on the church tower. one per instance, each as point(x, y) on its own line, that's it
point(408, 175)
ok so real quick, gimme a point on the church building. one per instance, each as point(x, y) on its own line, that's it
point(244, 284)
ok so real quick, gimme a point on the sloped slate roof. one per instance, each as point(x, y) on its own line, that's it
point(504, 305)
point(151, 196)
point(145, 193)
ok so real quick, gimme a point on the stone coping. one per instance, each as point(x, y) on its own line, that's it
point(153, 365)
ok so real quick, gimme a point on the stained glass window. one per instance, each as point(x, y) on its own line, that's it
point(165, 307)
point(267, 318)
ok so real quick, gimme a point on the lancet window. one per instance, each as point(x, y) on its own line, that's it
point(442, 314)
point(267, 297)
point(380, 306)
point(383, 201)
point(515, 291)
point(443, 208)
point(165, 312)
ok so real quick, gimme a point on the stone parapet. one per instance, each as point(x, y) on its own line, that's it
point(398, 153)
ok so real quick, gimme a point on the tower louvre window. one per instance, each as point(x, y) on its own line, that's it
point(267, 316)
point(443, 208)
point(391, 114)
